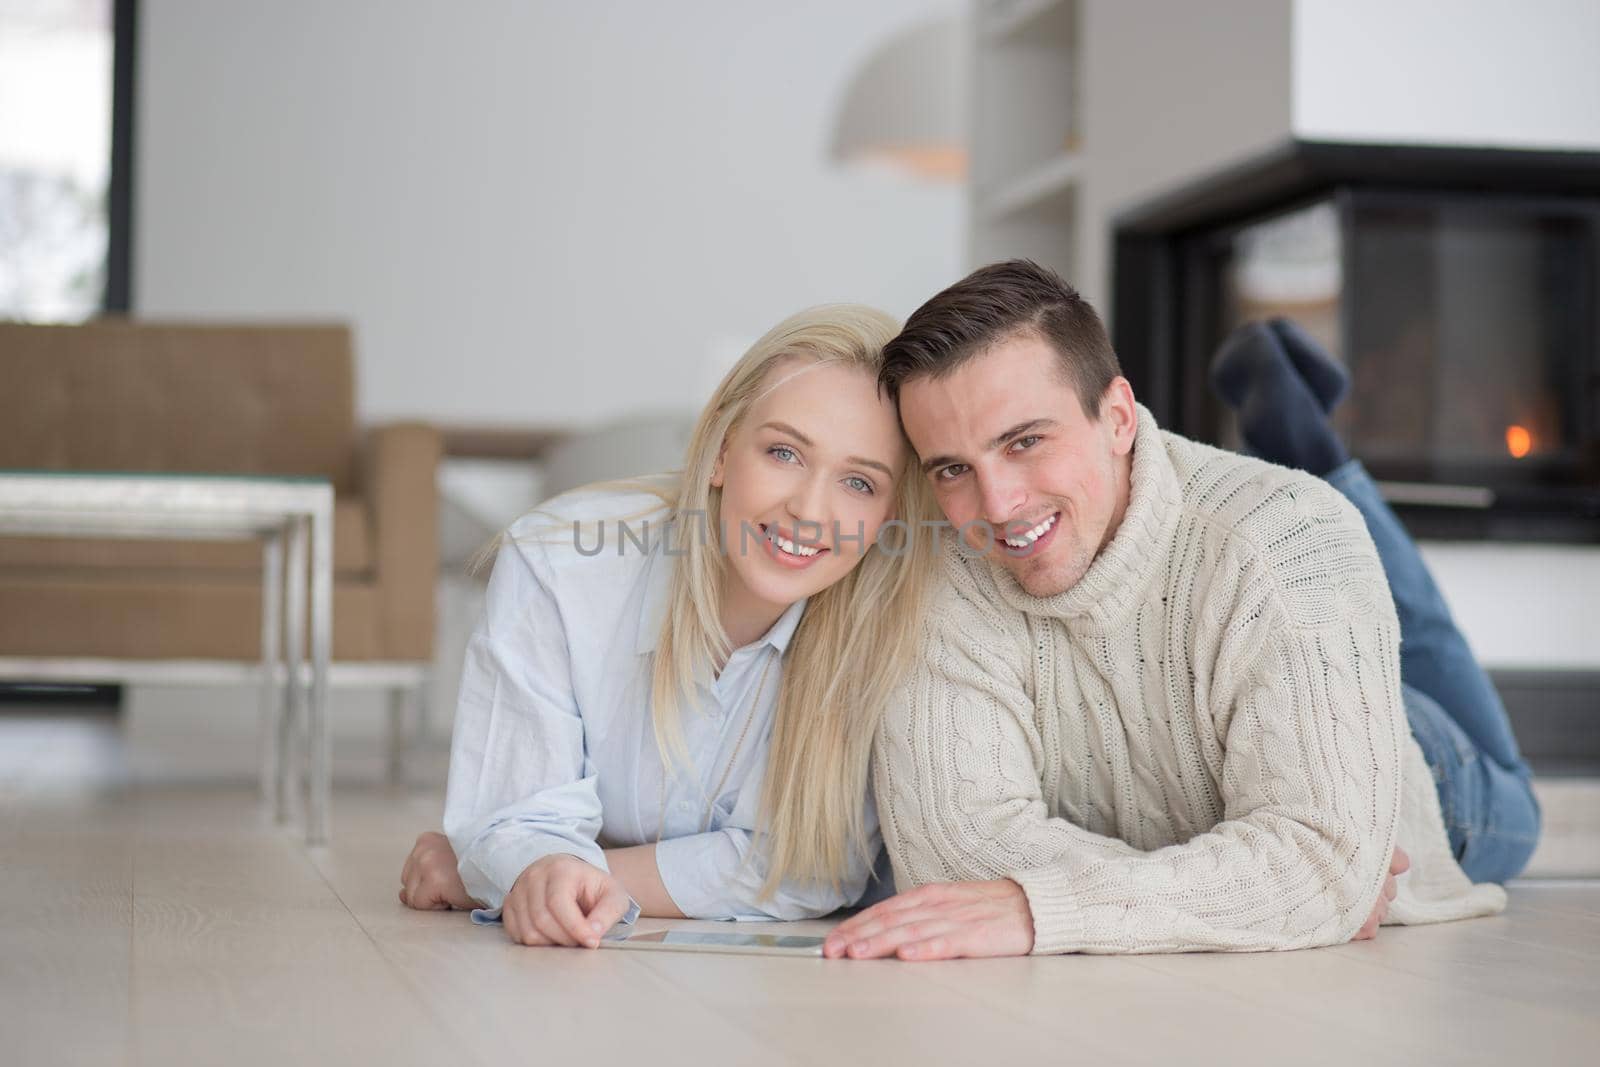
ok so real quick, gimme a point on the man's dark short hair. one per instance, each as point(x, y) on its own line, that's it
point(994, 304)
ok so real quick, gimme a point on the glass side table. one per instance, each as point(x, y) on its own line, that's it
point(293, 520)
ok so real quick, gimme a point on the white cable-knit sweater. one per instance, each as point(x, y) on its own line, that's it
point(1201, 745)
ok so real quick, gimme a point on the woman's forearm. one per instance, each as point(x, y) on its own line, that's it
point(636, 869)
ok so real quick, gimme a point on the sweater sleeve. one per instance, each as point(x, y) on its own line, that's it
point(1310, 782)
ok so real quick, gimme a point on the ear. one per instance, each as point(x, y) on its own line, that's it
point(717, 473)
point(1119, 413)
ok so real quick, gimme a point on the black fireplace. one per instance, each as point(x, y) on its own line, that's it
point(1461, 288)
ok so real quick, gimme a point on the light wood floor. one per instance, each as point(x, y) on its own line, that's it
point(172, 924)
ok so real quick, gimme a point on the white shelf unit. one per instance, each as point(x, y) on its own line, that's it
point(1026, 162)
point(1044, 188)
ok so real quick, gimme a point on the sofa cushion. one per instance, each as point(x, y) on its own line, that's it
point(115, 395)
point(131, 615)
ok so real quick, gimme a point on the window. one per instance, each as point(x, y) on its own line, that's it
point(65, 126)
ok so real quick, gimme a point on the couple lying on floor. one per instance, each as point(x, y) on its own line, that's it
point(1095, 687)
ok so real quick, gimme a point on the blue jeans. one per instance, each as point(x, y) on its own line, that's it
point(1485, 788)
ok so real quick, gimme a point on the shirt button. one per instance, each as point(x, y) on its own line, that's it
point(683, 805)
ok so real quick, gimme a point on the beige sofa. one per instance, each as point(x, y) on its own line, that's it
point(138, 396)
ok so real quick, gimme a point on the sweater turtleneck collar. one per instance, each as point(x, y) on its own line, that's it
point(1121, 574)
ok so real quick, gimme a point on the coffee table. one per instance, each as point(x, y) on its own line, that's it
point(293, 520)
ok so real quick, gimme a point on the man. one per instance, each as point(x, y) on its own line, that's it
point(1161, 702)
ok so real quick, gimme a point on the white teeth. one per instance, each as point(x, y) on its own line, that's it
point(792, 548)
point(1032, 535)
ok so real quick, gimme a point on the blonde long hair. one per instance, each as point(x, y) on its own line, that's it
point(854, 642)
point(853, 645)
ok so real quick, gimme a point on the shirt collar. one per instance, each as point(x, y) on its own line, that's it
point(653, 610)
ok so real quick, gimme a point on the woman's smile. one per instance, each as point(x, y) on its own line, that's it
point(794, 553)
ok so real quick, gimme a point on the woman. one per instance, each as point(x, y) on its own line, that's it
point(669, 705)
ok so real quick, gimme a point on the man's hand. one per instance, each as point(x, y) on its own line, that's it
point(561, 900)
point(941, 921)
point(429, 880)
point(1399, 863)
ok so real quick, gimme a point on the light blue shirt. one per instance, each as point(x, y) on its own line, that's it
point(554, 750)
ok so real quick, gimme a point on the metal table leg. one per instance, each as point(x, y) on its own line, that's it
point(319, 814)
point(271, 638)
point(290, 768)
point(397, 736)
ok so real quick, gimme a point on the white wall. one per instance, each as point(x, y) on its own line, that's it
point(1484, 73)
point(1174, 91)
point(1171, 91)
point(1470, 72)
point(532, 212)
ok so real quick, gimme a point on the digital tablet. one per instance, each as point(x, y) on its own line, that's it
point(715, 941)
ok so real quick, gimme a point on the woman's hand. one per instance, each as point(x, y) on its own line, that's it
point(561, 900)
point(429, 880)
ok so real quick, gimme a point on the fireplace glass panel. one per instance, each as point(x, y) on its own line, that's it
point(1467, 325)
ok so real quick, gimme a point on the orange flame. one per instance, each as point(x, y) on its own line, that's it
point(1519, 442)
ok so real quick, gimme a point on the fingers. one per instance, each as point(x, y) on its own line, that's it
point(882, 915)
point(852, 930)
point(426, 892)
point(1399, 863)
point(613, 905)
point(548, 904)
point(511, 919)
point(860, 927)
point(1369, 929)
point(561, 904)
point(534, 896)
point(428, 877)
point(518, 918)
point(527, 935)
point(408, 876)
point(943, 947)
point(972, 919)
point(923, 931)
point(550, 928)
point(1380, 912)
point(881, 931)
point(414, 894)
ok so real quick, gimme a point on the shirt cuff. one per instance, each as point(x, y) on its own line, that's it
point(489, 870)
point(491, 916)
point(1057, 918)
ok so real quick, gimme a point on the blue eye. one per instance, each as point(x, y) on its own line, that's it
point(955, 470)
point(783, 453)
point(859, 484)
point(1023, 443)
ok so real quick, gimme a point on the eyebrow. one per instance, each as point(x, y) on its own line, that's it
point(929, 465)
point(860, 461)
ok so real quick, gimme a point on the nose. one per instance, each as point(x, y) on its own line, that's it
point(1002, 495)
point(807, 508)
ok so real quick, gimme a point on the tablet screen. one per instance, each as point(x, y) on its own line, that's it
point(713, 940)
